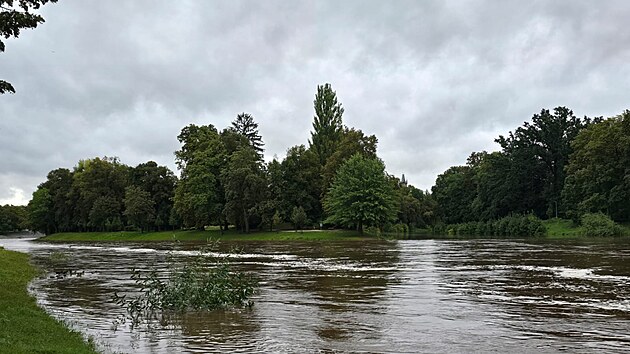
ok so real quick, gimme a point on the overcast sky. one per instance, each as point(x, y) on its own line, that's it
point(433, 80)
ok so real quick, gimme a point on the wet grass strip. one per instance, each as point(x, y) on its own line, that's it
point(25, 327)
point(202, 236)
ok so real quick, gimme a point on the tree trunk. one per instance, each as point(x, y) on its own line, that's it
point(360, 227)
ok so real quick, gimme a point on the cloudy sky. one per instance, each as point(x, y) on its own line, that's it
point(434, 80)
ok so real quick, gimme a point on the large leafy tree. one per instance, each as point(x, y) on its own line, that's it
point(245, 125)
point(539, 151)
point(13, 217)
point(103, 180)
point(198, 198)
point(598, 173)
point(327, 124)
point(301, 183)
point(139, 207)
point(361, 194)
point(16, 15)
point(245, 186)
point(59, 185)
point(159, 182)
point(454, 191)
point(352, 141)
point(40, 211)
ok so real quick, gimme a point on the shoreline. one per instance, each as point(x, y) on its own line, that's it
point(24, 326)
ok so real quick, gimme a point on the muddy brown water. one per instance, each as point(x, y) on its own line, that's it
point(433, 296)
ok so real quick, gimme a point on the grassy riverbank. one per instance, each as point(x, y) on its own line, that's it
point(563, 228)
point(201, 236)
point(24, 327)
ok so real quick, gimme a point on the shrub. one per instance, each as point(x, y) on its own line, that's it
point(509, 226)
point(207, 283)
point(600, 225)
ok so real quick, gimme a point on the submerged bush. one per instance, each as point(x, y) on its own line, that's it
point(600, 225)
point(207, 283)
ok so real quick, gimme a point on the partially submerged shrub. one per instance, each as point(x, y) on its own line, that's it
point(206, 283)
point(600, 225)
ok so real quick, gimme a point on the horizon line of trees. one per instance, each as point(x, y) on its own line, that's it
point(337, 180)
point(557, 165)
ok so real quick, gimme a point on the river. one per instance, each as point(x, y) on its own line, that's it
point(433, 296)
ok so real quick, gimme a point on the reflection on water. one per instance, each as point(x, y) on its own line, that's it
point(407, 296)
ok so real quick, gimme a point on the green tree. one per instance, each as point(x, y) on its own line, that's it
point(454, 191)
point(160, 183)
point(103, 179)
point(360, 194)
point(301, 183)
point(298, 218)
point(327, 124)
point(245, 125)
point(245, 186)
point(139, 207)
point(541, 150)
point(13, 217)
point(16, 15)
point(40, 213)
point(59, 185)
point(352, 141)
point(198, 197)
point(598, 173)
point(106, 211)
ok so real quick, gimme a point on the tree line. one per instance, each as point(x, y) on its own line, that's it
point(555, 165)
point(336, 180)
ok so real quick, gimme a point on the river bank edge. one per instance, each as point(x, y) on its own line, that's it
point(24, 326)
point(557, 229)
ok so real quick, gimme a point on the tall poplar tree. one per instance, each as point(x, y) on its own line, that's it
point(327, 124)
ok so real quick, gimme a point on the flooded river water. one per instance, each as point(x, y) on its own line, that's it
point(433, 296)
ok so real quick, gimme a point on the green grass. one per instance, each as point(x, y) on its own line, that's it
point(24, 327)
point(563, 228)
point(202, 236)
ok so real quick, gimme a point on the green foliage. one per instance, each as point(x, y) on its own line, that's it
point(454, 191)
point(598, 174)
point(245, 186)
point(138, 207)
point(539, 153)
point(300, 183)
point(160, 183)
point(40, 211)
point(352, 141)
point(16, 15)
point(360, 195)
point(398, 230)
point(207, 283)
point(600, 225)
point(13, 218)
point(509, 226)
point(327, 123)
point(527, 176)
point(198, 198)
point(97, 191)
point(277, 219)
point(245, 125)
point(298, 218)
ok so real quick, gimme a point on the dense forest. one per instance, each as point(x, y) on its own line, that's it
point(557, 165)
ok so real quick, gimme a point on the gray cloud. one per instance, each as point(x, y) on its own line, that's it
point(433, 80)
